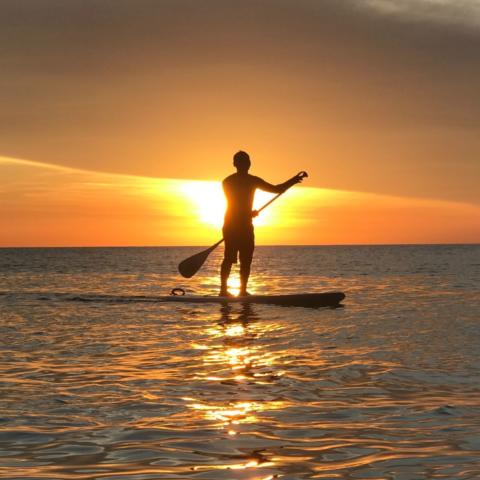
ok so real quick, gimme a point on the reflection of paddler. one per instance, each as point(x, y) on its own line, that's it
point(238, 339)
point(247, 361)
point(238, 231)
point(244, 316)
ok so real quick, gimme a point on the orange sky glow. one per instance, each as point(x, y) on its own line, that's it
point(45, 205)
point(376, 99)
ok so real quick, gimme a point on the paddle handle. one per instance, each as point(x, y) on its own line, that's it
point(301, 175)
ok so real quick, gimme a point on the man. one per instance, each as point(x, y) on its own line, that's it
point(238, 233)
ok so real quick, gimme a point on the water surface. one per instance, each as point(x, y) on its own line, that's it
point(95, 387)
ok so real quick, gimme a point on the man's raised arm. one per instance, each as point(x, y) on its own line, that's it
point(280, 188)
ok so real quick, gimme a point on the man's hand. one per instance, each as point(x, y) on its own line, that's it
point(293, 181)
point(254, 213)
point(298, 179)
point(300, 176)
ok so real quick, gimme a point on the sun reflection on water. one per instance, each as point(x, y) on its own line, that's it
point(233, 357)
point(256, 284)
point(232, 414)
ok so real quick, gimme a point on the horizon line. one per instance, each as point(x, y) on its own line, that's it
point(439, 244)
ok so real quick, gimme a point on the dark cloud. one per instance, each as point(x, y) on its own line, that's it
point(388, 96)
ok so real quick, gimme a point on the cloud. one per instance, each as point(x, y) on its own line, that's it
point(448, 12)
point(371, 96)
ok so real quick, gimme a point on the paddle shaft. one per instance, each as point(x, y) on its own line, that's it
point(191, 265)
point(271, 200)
point(258, 211)
point(300, 174)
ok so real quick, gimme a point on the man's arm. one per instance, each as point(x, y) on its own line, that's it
point(280, 188)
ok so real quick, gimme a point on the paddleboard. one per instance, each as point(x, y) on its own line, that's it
point(311, 300)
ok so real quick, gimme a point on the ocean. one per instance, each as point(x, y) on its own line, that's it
point(98, 380)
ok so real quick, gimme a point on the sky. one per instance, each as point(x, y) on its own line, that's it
point(124, 109)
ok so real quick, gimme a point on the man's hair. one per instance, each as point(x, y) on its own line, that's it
point(241, 159)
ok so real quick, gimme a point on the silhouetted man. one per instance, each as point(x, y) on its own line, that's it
point(238, 233)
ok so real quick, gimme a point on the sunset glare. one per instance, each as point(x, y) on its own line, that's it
point(209, 202)
point(58, 206)
point(120, 120)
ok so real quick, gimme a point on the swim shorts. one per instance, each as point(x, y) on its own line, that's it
point(239, 241)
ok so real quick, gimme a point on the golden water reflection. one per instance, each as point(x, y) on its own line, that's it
point(232, 356)
point(257, 284)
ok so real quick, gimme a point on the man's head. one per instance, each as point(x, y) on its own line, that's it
point(241, 161)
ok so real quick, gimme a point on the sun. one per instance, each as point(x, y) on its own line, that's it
point(207, 199)
point(209, 202)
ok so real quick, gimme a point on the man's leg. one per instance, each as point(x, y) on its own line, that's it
point(229, 258)
point(246, 256)
point(244, 274)
point(225, 270)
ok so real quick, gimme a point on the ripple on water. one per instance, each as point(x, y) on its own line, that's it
point(385, 388)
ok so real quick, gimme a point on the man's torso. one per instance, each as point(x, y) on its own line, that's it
point(240, 191)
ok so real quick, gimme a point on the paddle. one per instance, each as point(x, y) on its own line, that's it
point(191, 265)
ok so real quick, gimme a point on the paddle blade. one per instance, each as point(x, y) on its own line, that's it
point(191, 265)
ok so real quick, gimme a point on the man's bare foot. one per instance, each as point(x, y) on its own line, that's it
point(225, 293)
point(244, 293)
